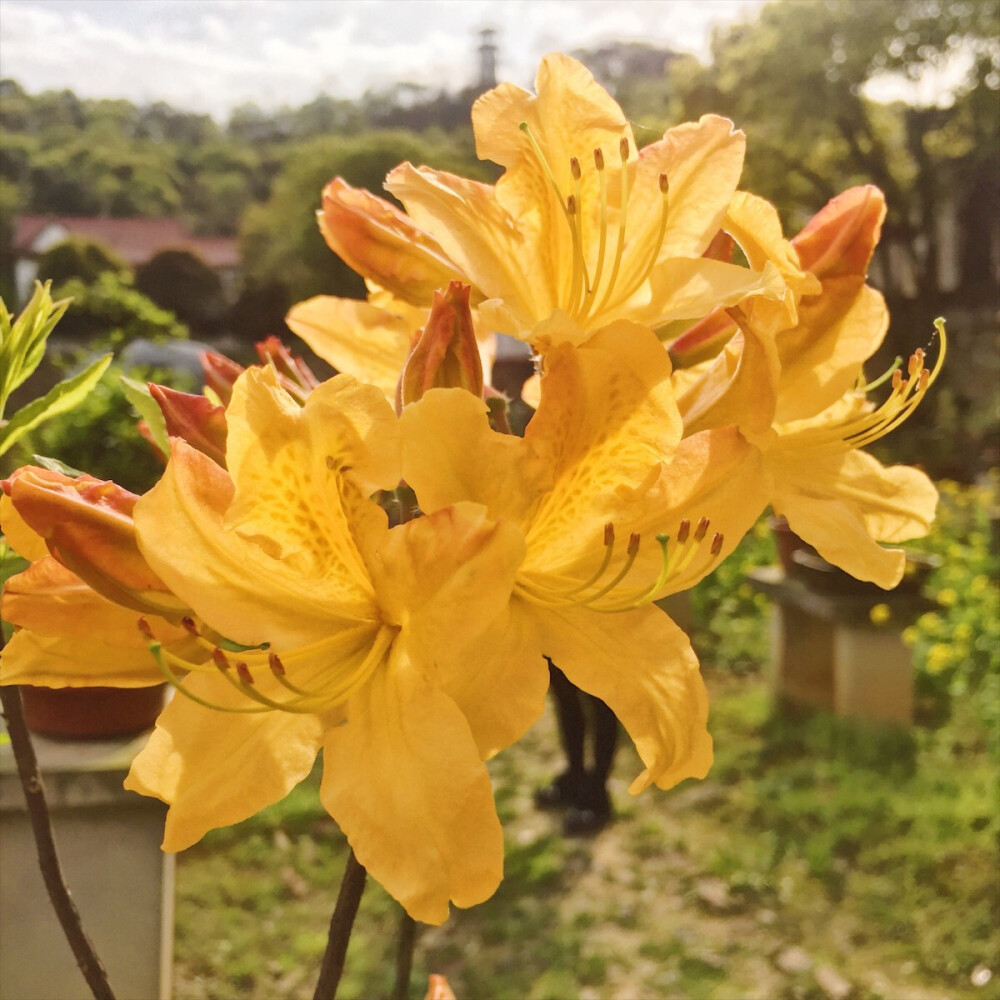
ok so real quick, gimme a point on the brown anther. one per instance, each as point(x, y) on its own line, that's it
point(571, 204)
point(331, 462)
point(189, 624)
point(219, 659)
point(699, 532)
point(574, 168)
point(916, 362)
point(633, 543)
point(925, 377)
point(664, 184)
point(716, 543)
point(244, 673)
point(897, 380)
point(599, 159)
point(145, 629)
point(277, 667)
point(623, 148)
point(683, 530)
point(609, 534)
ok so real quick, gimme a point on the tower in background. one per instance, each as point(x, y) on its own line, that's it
point(487, 59)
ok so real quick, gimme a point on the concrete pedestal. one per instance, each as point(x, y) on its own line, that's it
point(827, 653)
point(122, 883)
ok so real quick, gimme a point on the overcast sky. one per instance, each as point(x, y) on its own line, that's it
point(211, 55)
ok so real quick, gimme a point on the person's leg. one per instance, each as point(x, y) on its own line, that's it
point(566, 788)
point(592, 809)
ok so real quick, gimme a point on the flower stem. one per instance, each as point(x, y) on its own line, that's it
point(404, 956)
point(48, 858)
point(352, 885)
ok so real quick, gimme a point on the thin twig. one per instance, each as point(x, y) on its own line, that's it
point(404, 956)
point(352, 885)
point(48, 859)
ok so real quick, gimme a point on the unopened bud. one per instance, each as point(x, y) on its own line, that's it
point(445, 354)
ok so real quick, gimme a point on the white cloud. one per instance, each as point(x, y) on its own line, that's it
point(211, 55)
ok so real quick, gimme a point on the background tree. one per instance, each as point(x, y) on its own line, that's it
point(185, 285)
point(280, 241)
point(799, 81)
point(78, 258)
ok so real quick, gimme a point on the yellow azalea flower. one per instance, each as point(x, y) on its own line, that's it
point(587, 473)
point(356, 638)
point(787, 387)
point(582, 229)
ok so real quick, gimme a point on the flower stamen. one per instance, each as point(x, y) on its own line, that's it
point(675, 566)
point(906, 394)
point(336, 685)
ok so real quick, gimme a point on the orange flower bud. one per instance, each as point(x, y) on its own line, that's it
point(841, 237)
point(220, 374)
point(438, 988)
point(445, 353)
point(194, 418)
point(296, 376)
point(87, 525)
point(381, 243)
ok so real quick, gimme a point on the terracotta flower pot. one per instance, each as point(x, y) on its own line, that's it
point(91, 713)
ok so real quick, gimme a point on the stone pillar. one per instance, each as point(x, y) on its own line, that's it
point(122, 883)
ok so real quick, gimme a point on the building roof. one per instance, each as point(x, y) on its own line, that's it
point(134, 240)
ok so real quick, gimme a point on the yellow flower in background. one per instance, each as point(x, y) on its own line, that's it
point(349, 636)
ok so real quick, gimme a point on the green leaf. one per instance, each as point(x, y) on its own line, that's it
point(58, 399)
point(137, 393)
point(22, 340)
point(54, 465)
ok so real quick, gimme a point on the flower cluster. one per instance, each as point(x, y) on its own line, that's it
point(376, 568)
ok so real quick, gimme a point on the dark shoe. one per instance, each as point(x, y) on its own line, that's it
point(561, 794)
point(591, 809)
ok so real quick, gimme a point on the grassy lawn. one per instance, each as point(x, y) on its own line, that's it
point(818, 853)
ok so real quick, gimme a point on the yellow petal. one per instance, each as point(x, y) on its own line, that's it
point(478, 234)
point(842, 504)
point(459, 558)
point(607, 420)
point(642, 666)
point(25, 541)
point(217, 768)
point(689, 289)
point(456, 557)
point(822, 357)
point(51, 599)
point(498, 680)
point(714, 474)
point(572, 115)
point(738, 388)
point(755, 225)
point(236, 586)
point(357, 338)
point(404, 780)
point(76, 661)
point(703, 161)
point(381, 243)
point(440, 434)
